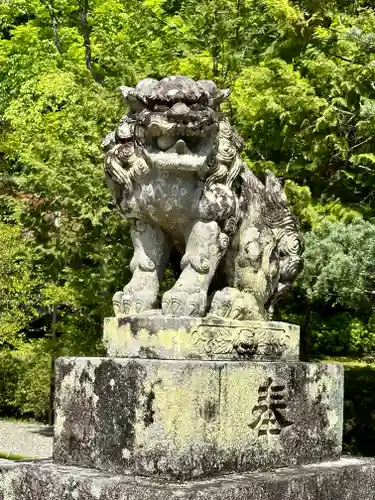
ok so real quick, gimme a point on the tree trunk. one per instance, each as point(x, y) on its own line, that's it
point(215, 61)
point(52, 369)
point(84, 4)
point(56, 223)
point(55, 25)
point(215, 47)
point(85, 31)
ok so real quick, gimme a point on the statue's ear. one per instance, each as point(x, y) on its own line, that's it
point(221, 96)
point(125, 91)
point(134, 103)
point(216, 96)
point(225, 93)
point(275, 193)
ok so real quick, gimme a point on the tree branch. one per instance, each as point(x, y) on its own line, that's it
point(162, 21)
point(361, 143)
point(342, 58)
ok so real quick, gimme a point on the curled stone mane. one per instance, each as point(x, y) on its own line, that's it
point(174, 166)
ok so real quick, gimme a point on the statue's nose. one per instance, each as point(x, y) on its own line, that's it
point(179, 112)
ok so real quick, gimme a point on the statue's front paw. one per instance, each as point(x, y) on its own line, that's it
point(126, 303)
point(184, 303)
point(139, 302)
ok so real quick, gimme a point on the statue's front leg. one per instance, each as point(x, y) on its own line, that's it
point(205, 245)
point(151, 254)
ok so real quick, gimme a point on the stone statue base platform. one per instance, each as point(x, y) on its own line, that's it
point(191, 418)
point(348, 478)
point(152, 335)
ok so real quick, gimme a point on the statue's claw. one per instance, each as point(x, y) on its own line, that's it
point(184, 303)
point(127, 303)
point(117, 303)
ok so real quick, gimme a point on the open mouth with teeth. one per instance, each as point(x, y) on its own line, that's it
point(169, 152)
point(179, 138)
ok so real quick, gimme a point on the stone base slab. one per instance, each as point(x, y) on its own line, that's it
point(189, 419)
point(170, 337)
point(349, 479)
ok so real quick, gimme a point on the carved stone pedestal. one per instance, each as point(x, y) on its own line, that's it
point(236, 427)
point(170, 337)
point(188, 419)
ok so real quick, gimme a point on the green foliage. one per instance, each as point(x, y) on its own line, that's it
point(342, 334)
point(13, 456)
point(312, 213)
point(340, 264)
point(337, 287)
point(25, 382)
point(20, 282)
point(359, 410)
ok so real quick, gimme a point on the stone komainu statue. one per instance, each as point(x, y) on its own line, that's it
point(174, 166)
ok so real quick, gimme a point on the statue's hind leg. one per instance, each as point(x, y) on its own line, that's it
point(205, 245)
point(151, 254)
point(252, 270)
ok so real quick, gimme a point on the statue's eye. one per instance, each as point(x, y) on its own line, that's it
point(161, 108)
point(165, 142)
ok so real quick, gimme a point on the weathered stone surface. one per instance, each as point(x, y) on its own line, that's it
point(175, 169)
point(169, 337)
point(193, 418)
point(347, 479)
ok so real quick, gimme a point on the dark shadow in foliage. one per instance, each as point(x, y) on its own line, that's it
point(359, 410)
point(9, 376)
point(6, 32)
point(46, 431)
point(172, 7)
